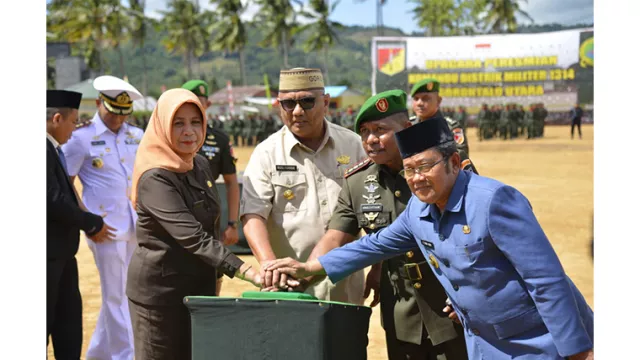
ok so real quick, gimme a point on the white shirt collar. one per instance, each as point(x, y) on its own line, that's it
point(54, 142)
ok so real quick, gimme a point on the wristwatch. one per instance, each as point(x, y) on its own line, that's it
point(233, 224)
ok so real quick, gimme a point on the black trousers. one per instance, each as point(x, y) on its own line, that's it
point(64, 308)
point(449, 350)
point(573, 125)
point(160, 332)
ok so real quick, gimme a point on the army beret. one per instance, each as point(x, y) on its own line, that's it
point(198, 87)
point(63, 99)
point(426, 85)
point(380, 106)
point(422, 136)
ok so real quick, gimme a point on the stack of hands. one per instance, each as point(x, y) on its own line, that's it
point(281, 275)
point(291, 275)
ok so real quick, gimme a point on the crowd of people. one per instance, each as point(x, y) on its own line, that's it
point(460, 265)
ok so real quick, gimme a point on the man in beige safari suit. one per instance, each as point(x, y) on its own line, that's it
point(292, 182)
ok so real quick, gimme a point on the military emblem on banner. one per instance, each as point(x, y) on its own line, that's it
point(586, 53)
point(391, 58)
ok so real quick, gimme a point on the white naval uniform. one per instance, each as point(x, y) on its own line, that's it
point(106, 190)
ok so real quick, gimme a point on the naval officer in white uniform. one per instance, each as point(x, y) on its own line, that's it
point(102, 152)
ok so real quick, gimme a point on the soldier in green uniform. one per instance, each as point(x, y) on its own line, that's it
point(503, 122)
point(426, 105)
point(543, 116)
point(247, 128)
point(521, 125)
point(373, 195)
point(514, 121)
point(347, 120)
point(234, 133)
point(461, 117)
point(528, 122)
point(240, 125)
point(218, 150)
point(227, 127)
point(496, 112)
point(484, 123)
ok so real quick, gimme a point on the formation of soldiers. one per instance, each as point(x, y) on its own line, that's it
point(504, 122)
point(510, 121)
point(250, 130)
point(459, 114)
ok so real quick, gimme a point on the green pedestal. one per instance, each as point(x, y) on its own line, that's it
point(272, 328)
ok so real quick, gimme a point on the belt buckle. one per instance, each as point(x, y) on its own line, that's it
point(412, 268)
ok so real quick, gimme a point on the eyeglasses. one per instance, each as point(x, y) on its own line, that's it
point(306, 103)
point(422, 169)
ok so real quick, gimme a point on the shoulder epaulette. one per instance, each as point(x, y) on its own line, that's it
point(357, 167)
point(83, 124)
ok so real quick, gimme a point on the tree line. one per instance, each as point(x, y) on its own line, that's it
point(98, 29)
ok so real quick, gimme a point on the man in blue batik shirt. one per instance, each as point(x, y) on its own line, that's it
point(487, 249)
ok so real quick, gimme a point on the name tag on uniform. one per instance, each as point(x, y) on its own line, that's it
point(286, 168)
point(371, 207)
point(100, 142)
point(428, 244)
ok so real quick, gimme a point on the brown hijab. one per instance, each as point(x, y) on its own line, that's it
point(156, 149)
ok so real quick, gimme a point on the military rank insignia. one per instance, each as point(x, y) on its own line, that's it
point(371, 198)
point(371, 216)
point(361, 165)
point(371, 188)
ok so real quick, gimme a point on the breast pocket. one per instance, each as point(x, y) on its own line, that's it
point(290, 193)
point(101, 156)
point(470, 252)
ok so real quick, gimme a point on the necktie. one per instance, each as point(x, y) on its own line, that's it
point(63, 160)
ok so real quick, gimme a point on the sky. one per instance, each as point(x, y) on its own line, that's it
point(397, 13)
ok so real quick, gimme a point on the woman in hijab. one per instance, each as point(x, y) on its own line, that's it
point(179, 251)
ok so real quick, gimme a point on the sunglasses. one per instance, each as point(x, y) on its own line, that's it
point(306, 103)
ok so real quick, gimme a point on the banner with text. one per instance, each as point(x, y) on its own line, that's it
point(554, 68)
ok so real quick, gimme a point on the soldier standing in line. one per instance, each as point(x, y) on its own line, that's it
point(241, 125)
point(461, 117)
point(484, 123)
point(543, 117)
point(529, 123)
point(514, 121)
point(503, 122)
